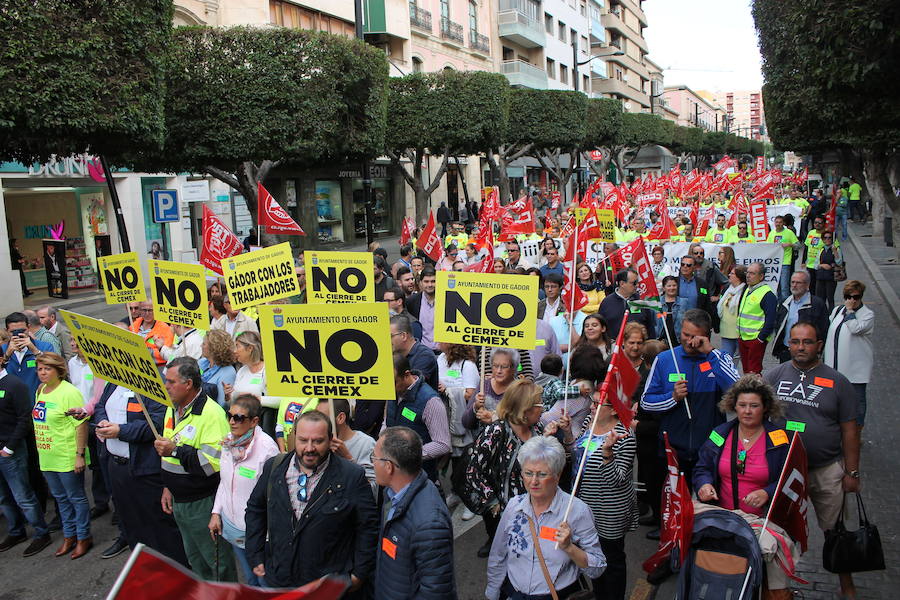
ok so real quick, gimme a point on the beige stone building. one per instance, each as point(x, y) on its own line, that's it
point(746, 114)
point(627, 76)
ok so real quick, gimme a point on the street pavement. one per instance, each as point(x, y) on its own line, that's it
point(46, 577)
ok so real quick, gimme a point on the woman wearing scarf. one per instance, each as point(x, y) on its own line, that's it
point(244, 452)
point(728, 307)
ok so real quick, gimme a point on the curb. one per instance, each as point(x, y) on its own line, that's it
point(884, 287)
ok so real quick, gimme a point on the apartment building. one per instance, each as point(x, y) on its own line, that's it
point(694, 109)
point(746, 115)
point(627, 76)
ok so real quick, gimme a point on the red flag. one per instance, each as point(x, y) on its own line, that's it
point(491, 209)
point(831, 215)
point(677, 514)
point(572, 296)
point(555, 198)
point(429, 242)
point(218, 242)
point(665, 228)
point(723, 163)
point(759, 221)
point(153, 576)
point(791, 502)
point(519, 205)
point(522, 222)
point(708, 219)
point(621, 380)
point(406, 230)
point(271, 216)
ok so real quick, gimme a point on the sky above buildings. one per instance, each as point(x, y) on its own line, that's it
point(704, 44)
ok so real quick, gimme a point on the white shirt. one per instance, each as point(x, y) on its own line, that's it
point(551, 310)
point(248, 382)
point(462, 374)
point(117, 412)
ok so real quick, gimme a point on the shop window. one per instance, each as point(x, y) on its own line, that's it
point(328, 211)
point(381, 206)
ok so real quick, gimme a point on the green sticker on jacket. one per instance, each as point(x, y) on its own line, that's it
point(676, 377)
point(452, 373)
point(702, 290)
point(256, 381)
point(31, 363)
point(2, 393)
point(408, 414)
point(247, 472)
point(717, 439)
point(795, 426)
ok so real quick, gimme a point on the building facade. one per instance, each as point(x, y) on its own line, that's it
point(627, 76)
point(746, 114)
point(693, 109)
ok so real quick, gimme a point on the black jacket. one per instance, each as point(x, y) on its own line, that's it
point(15, 413)
point(814, 312)
point(415, 556)
point(414, 304)
point(613, 308)
point(337, 533)
point(142, 456)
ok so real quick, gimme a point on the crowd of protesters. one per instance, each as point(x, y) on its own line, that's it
point(278, 492)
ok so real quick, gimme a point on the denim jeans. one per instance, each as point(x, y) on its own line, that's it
point(74, 509)
point(17, 499)
point(235, 537)
point(784, 282)
point(730, 347)
point(861, 411)
point(841, 226)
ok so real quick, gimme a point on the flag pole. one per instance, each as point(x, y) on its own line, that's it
point(120, 580)
point(570, 319)
point(604, 389)
point(687, 405)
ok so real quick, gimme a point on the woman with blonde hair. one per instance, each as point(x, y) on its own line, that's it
point(493, 476)
point(216, 362)
point(61, 441)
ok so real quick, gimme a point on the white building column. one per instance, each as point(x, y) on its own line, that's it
point(11, 293)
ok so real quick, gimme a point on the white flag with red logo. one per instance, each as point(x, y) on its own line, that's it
point(429, 242)
point(271, 216)
point(219, 242)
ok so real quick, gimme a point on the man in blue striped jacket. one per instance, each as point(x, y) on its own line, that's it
point(685, 386)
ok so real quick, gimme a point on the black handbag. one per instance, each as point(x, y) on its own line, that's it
point(853, 551)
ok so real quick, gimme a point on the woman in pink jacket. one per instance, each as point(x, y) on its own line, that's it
point(244, 452)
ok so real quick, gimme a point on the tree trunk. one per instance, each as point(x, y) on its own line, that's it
point(245, 180)
point(876, 163)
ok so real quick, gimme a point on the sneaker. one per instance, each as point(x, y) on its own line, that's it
point(453, 501)
point(118, 547)
point(467, 515)
point(10, 541)
point(36, 545)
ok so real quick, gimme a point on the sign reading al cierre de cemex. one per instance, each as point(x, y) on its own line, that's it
point(486, 309)
point(328, 350)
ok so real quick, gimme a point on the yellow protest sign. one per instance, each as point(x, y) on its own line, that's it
point(179, 294)
point(580, 214)
point(121, 277)
point(339, 277)
point(606, 220)
point(260, 276)
point(117, 356)
point(486, 309)
point(328, 350)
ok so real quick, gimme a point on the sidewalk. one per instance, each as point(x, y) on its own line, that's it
point(880, 264)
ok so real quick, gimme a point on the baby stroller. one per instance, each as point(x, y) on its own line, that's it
point(723, 547)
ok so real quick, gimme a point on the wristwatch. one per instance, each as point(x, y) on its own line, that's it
point(854, 474)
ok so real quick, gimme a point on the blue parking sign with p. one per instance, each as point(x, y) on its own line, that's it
point(165, 206)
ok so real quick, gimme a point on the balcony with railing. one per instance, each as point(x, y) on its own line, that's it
point(479, 42)
point(419, 18)
point(451, 31)
point(518, 21)
point(523, 74)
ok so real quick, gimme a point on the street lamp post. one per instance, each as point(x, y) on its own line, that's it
point(575, 78)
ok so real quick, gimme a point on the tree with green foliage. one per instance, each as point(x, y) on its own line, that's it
point(639, 130)
point(687, 145)
point(837, 95)
point(83, 79)
point(442, 114)
point(560, 132)
point(604, 125)
point(242, 100)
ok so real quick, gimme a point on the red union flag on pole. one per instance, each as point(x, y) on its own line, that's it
point(791, 502)
point(759, 221)
point(271, 216)
point(429, 242)
point(677, 514)
point(151, 576)
point(621, 380)
point(634, 254)
point(218, 242)
point(406, 230)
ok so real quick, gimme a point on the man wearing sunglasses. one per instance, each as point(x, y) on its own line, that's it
point(312, 514)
